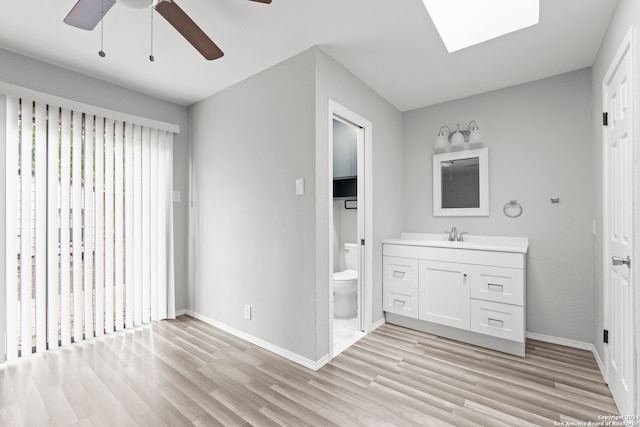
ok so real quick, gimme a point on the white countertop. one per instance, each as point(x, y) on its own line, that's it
point(471, 241)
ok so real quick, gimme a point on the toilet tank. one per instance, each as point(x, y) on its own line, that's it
point(351, 256)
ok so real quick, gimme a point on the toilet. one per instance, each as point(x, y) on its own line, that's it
point(345, 285)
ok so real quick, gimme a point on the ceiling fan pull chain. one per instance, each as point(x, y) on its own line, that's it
point(101, 53)
point(151, 57)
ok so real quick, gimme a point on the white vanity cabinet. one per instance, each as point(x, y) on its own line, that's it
point(471, 291)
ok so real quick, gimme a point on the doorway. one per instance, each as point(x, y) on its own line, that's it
point(618, 240)
point(350, 228)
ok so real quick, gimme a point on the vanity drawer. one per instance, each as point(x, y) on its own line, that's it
point(498, 284)
point(401, 300)
point(500, 320)
point(400, 272)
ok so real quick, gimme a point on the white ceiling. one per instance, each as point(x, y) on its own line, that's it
point(390, 45)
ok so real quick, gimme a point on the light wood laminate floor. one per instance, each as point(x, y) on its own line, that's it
point(185, 372)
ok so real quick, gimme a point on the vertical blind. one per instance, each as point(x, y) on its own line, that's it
point(89, 226)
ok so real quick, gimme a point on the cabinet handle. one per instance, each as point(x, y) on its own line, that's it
point(397, 274)
point(464, 275)
point(398, 303)
point(494, 287)
point(496, 323)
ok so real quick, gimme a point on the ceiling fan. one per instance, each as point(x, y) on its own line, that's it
point(86, 14)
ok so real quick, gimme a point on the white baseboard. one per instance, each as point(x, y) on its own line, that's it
point(307, 363)
point(599, 362)
point(377, 324)
point(315, 365)
point(570, 343)
point(560, 341)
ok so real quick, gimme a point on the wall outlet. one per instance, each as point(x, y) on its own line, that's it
point(247, 312)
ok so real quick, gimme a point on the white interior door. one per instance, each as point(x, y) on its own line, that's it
point(365, 209)
point(618, 237)
point(362, 271)
point(3, 144)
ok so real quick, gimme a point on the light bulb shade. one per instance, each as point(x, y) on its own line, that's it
point(442, 141)
point(474, 133)
point(474, 137)
point(457, 138)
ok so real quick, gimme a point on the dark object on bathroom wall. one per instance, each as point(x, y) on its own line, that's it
point(351, 204)
point(345, 188)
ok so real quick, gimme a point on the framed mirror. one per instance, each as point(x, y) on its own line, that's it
point(461, 183)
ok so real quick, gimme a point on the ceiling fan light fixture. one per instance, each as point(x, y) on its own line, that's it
point(136, 4)
point(86, 14)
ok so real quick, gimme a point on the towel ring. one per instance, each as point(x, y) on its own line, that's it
point(513, 209)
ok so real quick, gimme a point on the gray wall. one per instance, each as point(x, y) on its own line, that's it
point(37, 75)
point(253, 238)
point(538, 136)
point(627, 13)
point(338, 84)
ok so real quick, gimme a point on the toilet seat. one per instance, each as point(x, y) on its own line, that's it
point(345, 275)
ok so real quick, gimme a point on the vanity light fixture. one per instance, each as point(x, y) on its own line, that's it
point(460, 137)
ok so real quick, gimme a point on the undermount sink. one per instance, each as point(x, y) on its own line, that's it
point(471, 241)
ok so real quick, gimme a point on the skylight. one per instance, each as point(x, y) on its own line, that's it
point(464, 23)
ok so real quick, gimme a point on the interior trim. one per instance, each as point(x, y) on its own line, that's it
point(296, 358)
point(19, 91)
point(569, 343)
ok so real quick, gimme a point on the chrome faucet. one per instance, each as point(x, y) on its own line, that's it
point(454, 236)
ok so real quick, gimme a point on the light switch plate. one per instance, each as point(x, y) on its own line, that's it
point(299, 186)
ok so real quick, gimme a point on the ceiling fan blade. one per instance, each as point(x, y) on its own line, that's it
point(189, 29)
point(263, 1)
point(87, 13)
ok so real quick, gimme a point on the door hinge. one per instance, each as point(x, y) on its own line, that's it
point(362, 242)
point(605, 119)
point(605, 337)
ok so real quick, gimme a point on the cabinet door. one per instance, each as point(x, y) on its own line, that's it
point(345, 149)
point(444, 293)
